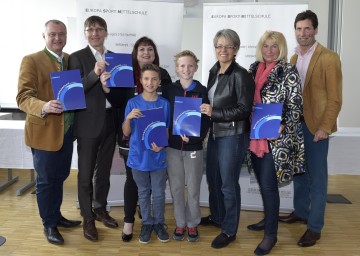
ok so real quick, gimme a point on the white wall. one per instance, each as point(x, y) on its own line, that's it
point(350, 56)
point(22, 23)
point(192, 40)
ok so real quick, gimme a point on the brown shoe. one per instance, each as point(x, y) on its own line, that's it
point(309, 238)
point(291, 218)
point(106, 219)
point(90, 231)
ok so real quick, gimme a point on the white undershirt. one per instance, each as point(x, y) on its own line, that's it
point(100, 57)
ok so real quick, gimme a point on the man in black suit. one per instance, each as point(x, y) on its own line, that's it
point(94, 129)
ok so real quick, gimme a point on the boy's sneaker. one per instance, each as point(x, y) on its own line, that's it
point(161, 232)
point(145, 234)
point(193, 234)
point(179, 233)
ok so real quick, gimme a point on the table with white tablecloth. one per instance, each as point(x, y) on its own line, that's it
point(14, 154)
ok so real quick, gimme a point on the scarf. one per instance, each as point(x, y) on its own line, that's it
point(260, 146)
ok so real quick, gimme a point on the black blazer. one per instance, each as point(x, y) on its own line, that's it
point(88, 122)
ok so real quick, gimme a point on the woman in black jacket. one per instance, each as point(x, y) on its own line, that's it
point(231, 92)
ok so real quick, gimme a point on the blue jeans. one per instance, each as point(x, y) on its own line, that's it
point(151, 189)
point(264, 169)
point(52, 169)
point(310, 188)
point(223, 164)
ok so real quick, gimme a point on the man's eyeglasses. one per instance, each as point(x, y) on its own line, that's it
point(226, 47)
point(97, 30)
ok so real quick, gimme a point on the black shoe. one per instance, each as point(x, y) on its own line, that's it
point(53, 235)
point(258, 226)
point(207, 221)
point(268, 243)
point(127, 237)
point(309, 238)
point(292, 218)
point(222, 240)
point(65, 223)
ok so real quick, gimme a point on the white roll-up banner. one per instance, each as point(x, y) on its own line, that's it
point(250, 21)
point(127, 21)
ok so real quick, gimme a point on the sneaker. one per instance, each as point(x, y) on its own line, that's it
point(179, 233)
point(145, 234)
point(193, 234)
point(161, 232)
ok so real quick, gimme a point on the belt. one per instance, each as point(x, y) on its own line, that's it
point(108, 110)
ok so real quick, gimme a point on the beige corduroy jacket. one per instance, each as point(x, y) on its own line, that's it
point(322, 94)
point(34, 90)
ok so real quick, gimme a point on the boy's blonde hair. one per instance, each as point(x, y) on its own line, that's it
point(183, 54)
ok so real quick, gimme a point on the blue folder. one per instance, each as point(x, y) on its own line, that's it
point(266, 121)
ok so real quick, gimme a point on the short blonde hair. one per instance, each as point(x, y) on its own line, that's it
point(279, 39)
point(183, 54)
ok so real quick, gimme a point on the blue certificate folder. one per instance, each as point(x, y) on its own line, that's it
point(187, 116)
point(121, 69)
point(68, 89)
point(266, 121)
point(152, 127)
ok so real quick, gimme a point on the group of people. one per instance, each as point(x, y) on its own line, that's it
point(309, 87)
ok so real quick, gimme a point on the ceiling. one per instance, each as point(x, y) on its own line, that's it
point(194, 8)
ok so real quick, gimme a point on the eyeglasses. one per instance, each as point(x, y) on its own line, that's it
point(226, 47)
point(97, 30)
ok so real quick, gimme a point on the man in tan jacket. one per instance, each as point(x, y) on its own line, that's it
point(48, 130)
point(320, 72)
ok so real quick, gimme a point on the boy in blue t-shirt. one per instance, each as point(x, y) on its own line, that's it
point(148, 165)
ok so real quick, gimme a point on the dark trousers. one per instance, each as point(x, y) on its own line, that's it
point(94, 162)
point(264, 169)
point(52, 168)
point(310, 188)
point(130, 194)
